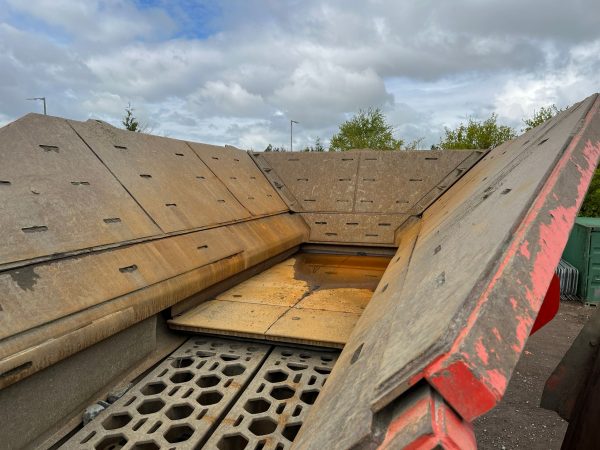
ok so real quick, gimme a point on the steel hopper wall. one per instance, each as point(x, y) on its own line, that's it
point(102, 228)
point(456, 305)
point(362, 196)
point(69, 187)
point(56, 196)
point(165, 176)
point(243, 179)
point(54, 309)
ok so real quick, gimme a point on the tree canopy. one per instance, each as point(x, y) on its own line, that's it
point(317, 147)
point(489, 134)
point(540, 116)
point(129, 120)
point(591, 202)
point(367, 129)
point(477, 134)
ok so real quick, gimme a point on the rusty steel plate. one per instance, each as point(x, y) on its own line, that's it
point(354, 228)
point(362, 196)
point(277, 183)
point(310, 298)
point(227, 318)
point(520, 174)
point(38, 294)
point(239, 174)
point(402, 182)
point(442, 186)
point(164, 175)
point(323, 328)
point(318, 181)
point(394, 182)
point(84, 287)
point(56, 196)
point(471, 287)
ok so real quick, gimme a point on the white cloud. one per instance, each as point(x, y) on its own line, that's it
point(228, 99)
point(319, 90)
point(562, 86)
point(255, 64)
point(106, 22)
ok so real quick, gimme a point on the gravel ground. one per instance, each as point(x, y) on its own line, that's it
point(518, 421)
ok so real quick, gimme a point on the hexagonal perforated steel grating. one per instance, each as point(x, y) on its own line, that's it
point(214, 393)
point(272, 408)
point(179, 403)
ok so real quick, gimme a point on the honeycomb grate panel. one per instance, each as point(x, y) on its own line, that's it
point(216, 394)
point(271, 410)
point(179, 403)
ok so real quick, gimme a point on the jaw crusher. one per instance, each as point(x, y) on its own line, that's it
point(158, 293)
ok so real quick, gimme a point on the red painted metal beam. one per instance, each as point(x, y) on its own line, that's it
point(427, 422)
point(466, 376)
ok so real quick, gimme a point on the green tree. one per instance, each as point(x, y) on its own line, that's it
point(318, 147)
point(477, 134)
point(367, 129)
point(540, 116)
point(591, 202)
point(416, 144)
point(129, 120)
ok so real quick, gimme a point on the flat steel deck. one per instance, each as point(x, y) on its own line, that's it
point(309, 298)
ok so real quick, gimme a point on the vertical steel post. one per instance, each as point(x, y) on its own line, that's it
point(292, 122)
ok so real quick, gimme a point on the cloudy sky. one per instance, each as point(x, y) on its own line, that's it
point(235, 72)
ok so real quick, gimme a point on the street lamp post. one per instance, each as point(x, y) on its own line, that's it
point(292, 122)
point(43, 99)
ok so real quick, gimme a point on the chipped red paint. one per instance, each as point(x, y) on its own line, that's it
point(522, 332)
point(497, 333)
point(458, 434)
point(449, 431)
point(405, 420)
point(482, 352)
point(473, 390)
point(525, 250)
point(496, 378)
point(415, 379)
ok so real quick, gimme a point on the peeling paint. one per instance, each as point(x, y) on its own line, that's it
point(536, 246)
point(496, 333)
point(481, 351)
point(525, 250)
point(497, 379)
point(522, 333)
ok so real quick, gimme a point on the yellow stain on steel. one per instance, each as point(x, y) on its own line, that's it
point(276, 286)
point(351, 300)
point(310, 298)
